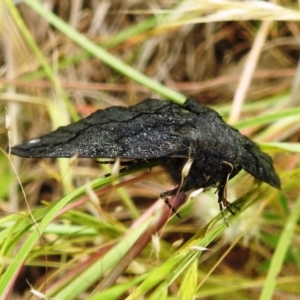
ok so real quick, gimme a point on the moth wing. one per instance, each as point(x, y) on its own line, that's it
point(147, 130)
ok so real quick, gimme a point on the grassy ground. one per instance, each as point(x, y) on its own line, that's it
point(67, 233)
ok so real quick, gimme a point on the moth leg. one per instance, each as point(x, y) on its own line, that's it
point(164, 196)
point(223, 204)
point(222, 195)
point(184, 173)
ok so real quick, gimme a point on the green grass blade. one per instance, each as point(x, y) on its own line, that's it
point(116, 291)
point(46, 215)
point(282, 247)
point(19, 259)
point(291, 147)
point(265, 119)
point(99, 269)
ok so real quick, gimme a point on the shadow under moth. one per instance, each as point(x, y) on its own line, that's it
point(191, 142)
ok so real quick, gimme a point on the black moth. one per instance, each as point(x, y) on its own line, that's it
point(164, 133)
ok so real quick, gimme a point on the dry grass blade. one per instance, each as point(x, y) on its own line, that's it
point(191, 12)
